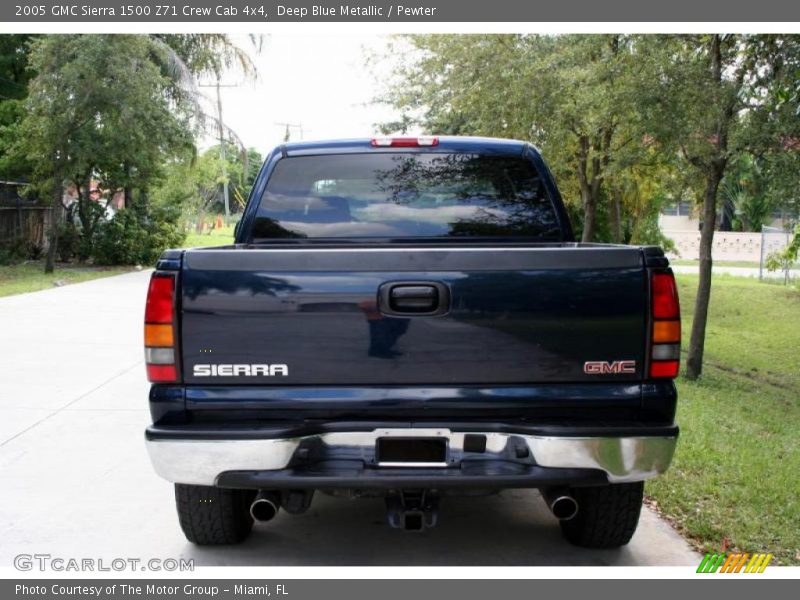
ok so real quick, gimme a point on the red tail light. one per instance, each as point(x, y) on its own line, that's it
point(162, 373)
point(405, 142)
point(665, 368)
point(160, 299)
point(159, 329)
point(665, 335)
point(665, 297)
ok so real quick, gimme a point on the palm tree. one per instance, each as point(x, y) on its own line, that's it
point(186, 57)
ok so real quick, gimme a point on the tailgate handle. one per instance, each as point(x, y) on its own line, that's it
point(414, 298)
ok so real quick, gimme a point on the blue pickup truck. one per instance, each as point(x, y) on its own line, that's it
point(412, 319)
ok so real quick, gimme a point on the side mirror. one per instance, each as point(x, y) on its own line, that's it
point(236, 229)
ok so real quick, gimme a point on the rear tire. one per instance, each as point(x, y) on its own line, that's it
point(213, 516)
point(607, 515)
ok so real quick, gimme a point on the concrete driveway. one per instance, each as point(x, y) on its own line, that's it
point(77, 482)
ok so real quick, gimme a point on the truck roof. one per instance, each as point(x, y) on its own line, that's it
point(483, 145)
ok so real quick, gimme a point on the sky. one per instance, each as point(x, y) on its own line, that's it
point(319, 82)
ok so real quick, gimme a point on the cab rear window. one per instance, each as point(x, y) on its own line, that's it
point(396, 195)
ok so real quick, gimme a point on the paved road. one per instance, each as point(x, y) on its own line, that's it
point(77, 481)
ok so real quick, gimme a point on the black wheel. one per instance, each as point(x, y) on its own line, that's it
point(213, 516)
point(607, 515)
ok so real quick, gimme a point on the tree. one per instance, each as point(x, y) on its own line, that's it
point(207, 54)
point(97, 111)
point(15, 73)
point(110, 109)
point(571, 95)
point(713, 98)
point(628, 122)
point(194, 185)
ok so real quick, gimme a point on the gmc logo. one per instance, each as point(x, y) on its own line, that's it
point(602, 367)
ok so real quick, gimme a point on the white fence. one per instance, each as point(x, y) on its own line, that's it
point(729, 245)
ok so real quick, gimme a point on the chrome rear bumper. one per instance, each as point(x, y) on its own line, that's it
point(622, 459)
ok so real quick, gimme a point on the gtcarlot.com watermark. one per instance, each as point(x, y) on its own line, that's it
point(47, 562)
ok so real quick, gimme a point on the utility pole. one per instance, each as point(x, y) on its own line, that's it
point(289, 127)
point(222, 156)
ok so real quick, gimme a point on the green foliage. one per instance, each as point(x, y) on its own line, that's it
point(785, 259)
point(211, 53)
point(752, 212)
point(254, 161)
point(793, 249)
point(573, 96)
point(214, 237)
point(609, 110)
point(137, 236)
point(195, 186)
point(16, 249)
point(120, 128)
point(104, 114)
point(734, 474)
point(85, 216)
point(648, 233)
point(115, 134)
point(781, 172)
point(747, 201)
point(15, 73)
point(715, 103)
point(69, 241)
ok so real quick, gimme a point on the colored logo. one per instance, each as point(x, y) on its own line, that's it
point(602, 367)
point(734, 563)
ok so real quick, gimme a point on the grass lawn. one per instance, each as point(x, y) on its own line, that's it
point(735, 481)
point(216, 237)
point(30, 276)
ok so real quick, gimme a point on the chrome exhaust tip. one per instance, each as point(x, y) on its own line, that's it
point(265, 507)
point(564, 507)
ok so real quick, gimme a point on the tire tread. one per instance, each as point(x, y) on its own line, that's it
point(607, 516)
point(211, 516)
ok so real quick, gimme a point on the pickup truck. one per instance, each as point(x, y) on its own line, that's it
point(410, 319)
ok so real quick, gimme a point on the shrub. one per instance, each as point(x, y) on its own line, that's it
point(13, 250)
point(136, 236)
point(648, 233)
point(69, 240)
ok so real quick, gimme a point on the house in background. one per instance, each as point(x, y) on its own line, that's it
point(115, 202)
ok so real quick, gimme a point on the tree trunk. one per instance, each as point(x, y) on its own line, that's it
point(587, 200)
point(127, 196)
point(50, 260)
point(694, 361)
point(55, 224)
point(82, 189)
point(589, 217)
point(714, 172)
point(594, 199)
point(616, 215)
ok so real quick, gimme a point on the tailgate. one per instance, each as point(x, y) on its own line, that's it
point(333, 316)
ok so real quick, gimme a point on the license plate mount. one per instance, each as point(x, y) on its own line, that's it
point(411, 452)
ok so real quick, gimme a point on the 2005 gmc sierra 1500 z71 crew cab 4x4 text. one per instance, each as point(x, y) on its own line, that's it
point(410, 318)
